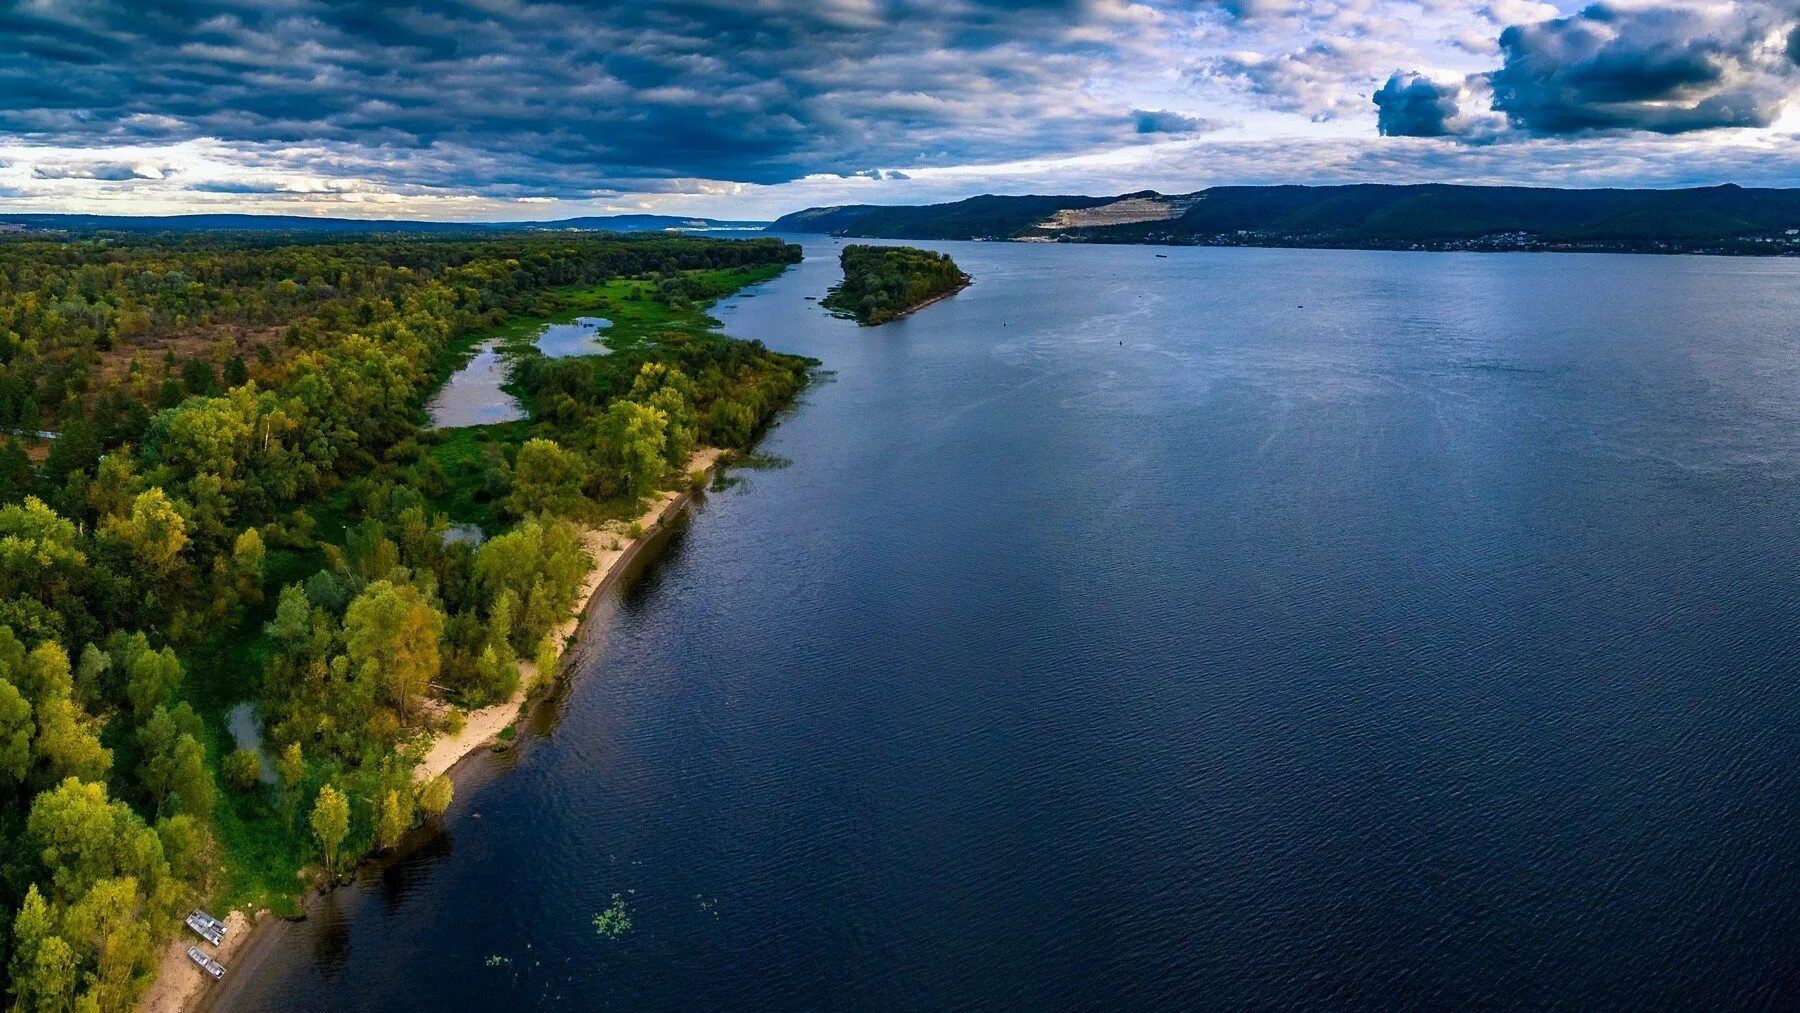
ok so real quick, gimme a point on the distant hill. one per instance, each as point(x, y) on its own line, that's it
point(1723, 219)
point(302, 223)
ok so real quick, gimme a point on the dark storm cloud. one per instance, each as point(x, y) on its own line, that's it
point(1669, 70)
point(509, 96)
point(1162, 121)
point(1410, 105)
point(115, 172)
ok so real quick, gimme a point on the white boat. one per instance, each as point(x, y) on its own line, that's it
point(206, 963)
point(207, 927)
point(208, 919)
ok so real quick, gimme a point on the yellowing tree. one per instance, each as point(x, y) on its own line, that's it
point(394, 630)
point(330, 824)
point(435, 797)
point(391, 823)
point(546, 479)
point(153, 530)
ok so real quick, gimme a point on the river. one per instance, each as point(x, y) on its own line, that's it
point(1237, 628)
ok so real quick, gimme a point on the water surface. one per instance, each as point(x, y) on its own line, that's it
point(580, 336)
point(475, 395)
point(1242, 628)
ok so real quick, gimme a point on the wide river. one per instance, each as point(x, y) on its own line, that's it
point(1230, 628)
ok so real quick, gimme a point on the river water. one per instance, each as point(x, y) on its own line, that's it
point(1235, 628)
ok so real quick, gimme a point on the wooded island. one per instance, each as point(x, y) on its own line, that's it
point(882, 283)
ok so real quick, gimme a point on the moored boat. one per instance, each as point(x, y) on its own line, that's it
point(207, 927)
point(206, 963)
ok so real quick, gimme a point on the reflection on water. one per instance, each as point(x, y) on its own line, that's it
point(245, 723)
point(475, 395)
point(580, 336)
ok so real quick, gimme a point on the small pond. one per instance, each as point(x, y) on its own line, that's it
point(475, 395)
point(580, 336)
point(245, 723)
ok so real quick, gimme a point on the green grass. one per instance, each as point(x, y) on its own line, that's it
point(637, 317)
point(461, 456)
point(263, 855)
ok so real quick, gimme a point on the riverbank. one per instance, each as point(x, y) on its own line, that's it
point(181, 987)
point(611, 551)
point(940, 297)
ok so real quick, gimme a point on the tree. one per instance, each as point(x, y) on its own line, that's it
point(292, 624)
point(391, 822)
point(291, 765)
point(198, 376)
point(391, 630)
point(76, 449)
point(242, 769)
point(633, 439)
point(546, 659)
point(83, 836)
point(247, 557)
point(153, 676)
point(184, 841)
point(154, 530)
point(115, 485)
point(66, 745)
point(91, 675)
point(669, 391)
point(16, 476)
point(172, 764)
point(330, 824)
point(434, 798)
point(16, 731)
point(109, 922)
point(42, 969)
point(545, 479)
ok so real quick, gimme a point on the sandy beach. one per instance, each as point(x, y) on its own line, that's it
point(610, 550)
point(181, 986)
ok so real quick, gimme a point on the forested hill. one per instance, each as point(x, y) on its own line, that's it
point(304, 224)
point(1721, 219)
point(882, 283)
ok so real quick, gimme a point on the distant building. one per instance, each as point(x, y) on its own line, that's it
point(11, 227)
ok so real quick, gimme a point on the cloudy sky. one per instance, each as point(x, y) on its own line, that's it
point(508, 109)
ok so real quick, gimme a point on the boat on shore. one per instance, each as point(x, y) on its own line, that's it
point(206, 963)
point(207, 927)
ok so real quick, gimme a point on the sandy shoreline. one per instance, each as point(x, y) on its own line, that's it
point(180, 986)
point(483, 726)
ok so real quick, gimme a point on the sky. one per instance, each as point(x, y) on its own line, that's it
point(515, 110)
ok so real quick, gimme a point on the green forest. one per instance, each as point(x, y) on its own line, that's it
point(218, 489)
point(884, 282)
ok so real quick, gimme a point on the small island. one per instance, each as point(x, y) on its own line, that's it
point(883, 283)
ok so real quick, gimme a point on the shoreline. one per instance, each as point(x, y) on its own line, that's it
point(482, 727)
point(180, 986)
point(910, 310)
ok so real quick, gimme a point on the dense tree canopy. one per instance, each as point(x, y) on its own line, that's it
point(244, 510)
point(884, 282)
